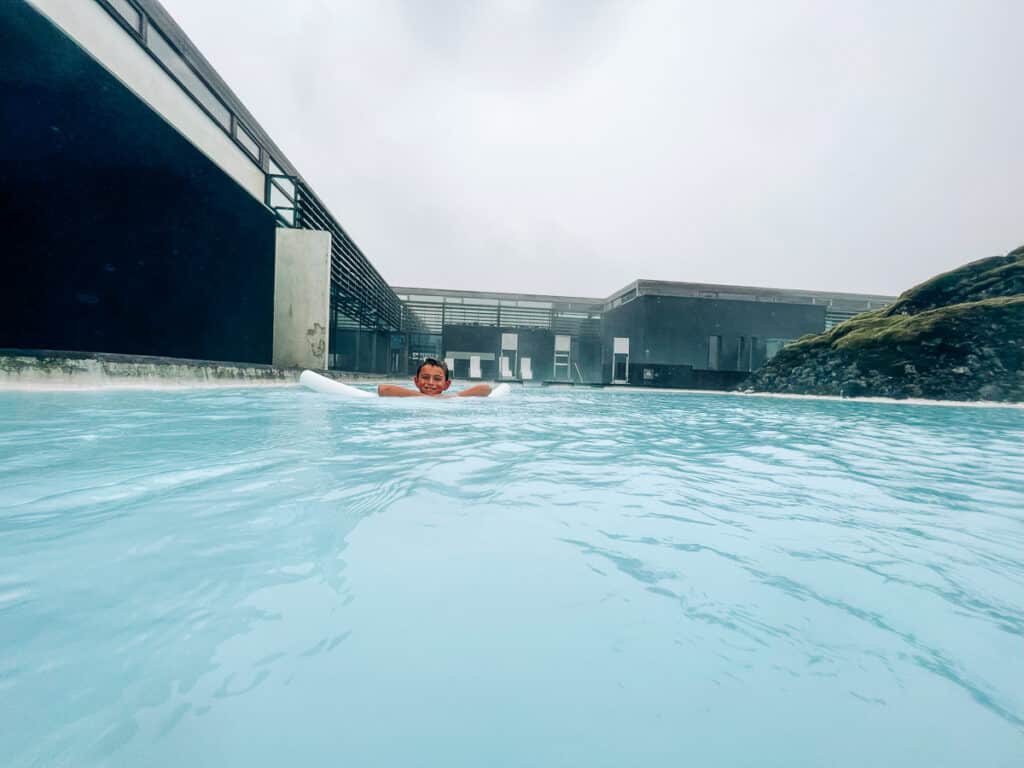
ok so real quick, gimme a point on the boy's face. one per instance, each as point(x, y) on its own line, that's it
point(431, 381)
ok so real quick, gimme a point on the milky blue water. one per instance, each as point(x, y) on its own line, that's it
point(561, 578)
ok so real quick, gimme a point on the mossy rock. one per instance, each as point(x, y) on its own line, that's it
point(959, 335)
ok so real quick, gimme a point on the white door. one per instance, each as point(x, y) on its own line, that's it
point(563, 364)
point(620, 360)
point(509, 352)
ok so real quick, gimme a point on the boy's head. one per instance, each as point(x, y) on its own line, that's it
point(432, 377)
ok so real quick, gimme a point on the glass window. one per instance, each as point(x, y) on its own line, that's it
point(714, 352)
point(275, 168)
point(181, 70)
point(247, 141)
point(128, 12)
point(280, 192)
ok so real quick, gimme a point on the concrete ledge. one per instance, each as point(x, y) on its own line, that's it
point(41, 369)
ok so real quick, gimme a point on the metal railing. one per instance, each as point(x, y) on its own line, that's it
point(435, 314)
point(357, 289)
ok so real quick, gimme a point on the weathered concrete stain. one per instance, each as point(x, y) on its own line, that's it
point(317, 338)
point(60, 370)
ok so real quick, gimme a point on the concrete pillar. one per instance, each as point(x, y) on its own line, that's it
point(302, 298)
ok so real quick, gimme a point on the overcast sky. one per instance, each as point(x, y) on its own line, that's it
point(572, 147)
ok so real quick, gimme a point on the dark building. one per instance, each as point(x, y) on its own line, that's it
point(658, 333)
point(506, 336)
point(144, 201)
point(651, 333)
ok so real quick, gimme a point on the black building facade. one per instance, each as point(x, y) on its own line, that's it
point(144, 198)
point(671, 340)
point(652, 333)
point(122, 236)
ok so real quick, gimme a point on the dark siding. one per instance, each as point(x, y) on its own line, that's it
point(120, 236)
point(471, 338)
point(539, 346)
point(675, 330)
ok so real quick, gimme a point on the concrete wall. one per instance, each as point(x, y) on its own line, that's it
point(63, 370)
point(49, 370)
point(302, 302)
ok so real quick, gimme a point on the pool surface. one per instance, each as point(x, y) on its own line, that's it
point(270, 577)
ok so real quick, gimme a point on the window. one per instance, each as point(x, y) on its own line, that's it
point(247, 141)
point(128, 12)
point(714, 352)
point(178, 67)
point(282, 193)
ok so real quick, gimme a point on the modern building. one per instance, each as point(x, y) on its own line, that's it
point(652, 333)
point(149, 213)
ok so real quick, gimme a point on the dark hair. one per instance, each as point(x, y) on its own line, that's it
point(437, 363)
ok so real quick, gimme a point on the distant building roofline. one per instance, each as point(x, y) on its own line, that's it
point(668, 288)
point(500, 296)
point(676, 288)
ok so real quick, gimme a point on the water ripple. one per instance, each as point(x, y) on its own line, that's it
point(610, 577)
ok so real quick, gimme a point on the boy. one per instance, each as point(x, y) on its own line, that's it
point(432, 379)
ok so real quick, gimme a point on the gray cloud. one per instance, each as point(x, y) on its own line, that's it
point(569, 148)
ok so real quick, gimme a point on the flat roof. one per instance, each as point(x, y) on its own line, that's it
point(563, 302)
point(716, 290)
point(672, 289)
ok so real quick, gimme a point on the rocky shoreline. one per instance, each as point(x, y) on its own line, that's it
point(958, 336)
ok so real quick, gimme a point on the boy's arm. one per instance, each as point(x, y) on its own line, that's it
point(477, 390)
point(393, 390)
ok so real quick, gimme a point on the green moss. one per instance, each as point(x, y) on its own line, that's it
point(959, 335)
point(903, 329)
point(986, 278)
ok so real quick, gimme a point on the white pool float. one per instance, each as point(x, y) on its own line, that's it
point(326, 386)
